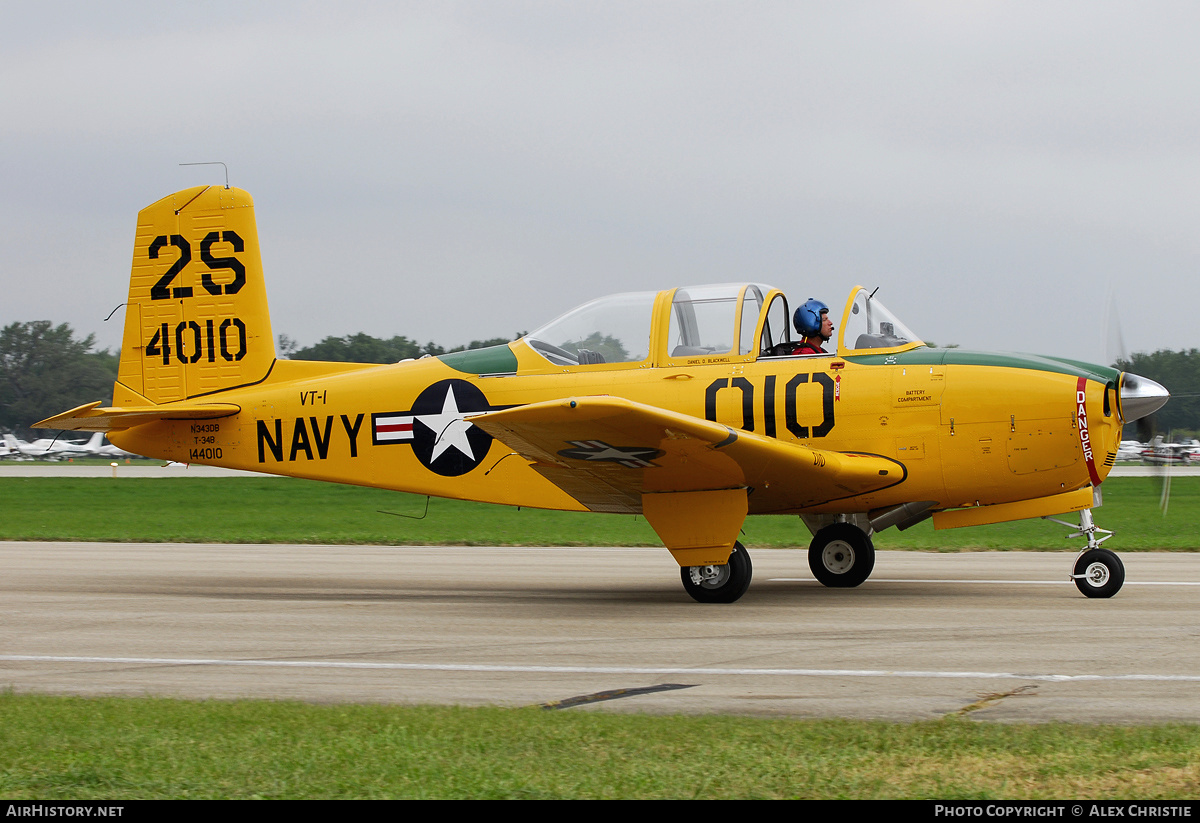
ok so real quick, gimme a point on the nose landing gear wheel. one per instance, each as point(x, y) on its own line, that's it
point(1099, 573)
point(719, 584)
point(841, 556)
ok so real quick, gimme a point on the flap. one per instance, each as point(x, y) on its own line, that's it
point(607, 452)
point(92, 418)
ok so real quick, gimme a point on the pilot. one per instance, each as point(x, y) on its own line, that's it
point(814, 327)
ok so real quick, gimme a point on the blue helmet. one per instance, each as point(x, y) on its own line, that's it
point(808, 317)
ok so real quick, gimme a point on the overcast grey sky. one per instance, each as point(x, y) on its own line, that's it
point(462, 170)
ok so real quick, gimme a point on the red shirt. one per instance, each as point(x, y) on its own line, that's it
point(805, 347)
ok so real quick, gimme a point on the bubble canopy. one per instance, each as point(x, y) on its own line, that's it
point(725, 320)
point(612, 329)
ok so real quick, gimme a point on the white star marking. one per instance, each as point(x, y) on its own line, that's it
point(613, 453)
point(449, 428)
point(632, 457)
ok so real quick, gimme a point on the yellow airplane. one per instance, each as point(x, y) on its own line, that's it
point(688, 406)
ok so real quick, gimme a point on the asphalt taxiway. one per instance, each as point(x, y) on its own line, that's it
point(1001, 636)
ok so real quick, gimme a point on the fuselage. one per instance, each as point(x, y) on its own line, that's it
point(968, 428)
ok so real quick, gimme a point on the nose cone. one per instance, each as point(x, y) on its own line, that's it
point(1140, 396)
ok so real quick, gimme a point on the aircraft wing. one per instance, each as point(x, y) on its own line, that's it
point(607, 451)
point(91, 417)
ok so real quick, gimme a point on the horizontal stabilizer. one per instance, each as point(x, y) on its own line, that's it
point(91, 417)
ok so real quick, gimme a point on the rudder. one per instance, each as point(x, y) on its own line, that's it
point(197, 320)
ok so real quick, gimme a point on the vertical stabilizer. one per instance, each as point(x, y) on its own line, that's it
point(197, 321)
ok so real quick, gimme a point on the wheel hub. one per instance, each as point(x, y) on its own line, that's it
point(1096, 574)
point(709, 576)
point(838, 557)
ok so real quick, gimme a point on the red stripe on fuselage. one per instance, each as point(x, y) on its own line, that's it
point(1085, 434)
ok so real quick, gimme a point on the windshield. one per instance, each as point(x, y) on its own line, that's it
point(613, 329)
point(868, 324)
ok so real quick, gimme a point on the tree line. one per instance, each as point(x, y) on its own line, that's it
point(46, 369)
point(363, 348)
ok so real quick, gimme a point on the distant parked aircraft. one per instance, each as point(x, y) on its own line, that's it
point(1160, 452)
point(99, 448)
point(1130, 450)
point(45, 447)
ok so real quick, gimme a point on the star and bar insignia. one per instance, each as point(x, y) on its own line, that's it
point(631, 457)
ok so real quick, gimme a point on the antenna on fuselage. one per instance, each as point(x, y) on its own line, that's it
point(409, 516)
point(212, 163)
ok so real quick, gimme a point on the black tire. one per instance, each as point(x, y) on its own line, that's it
point(731, 581)
point(841, 556)
point(1099, 573)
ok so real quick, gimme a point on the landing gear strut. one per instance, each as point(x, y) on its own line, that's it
point(1098, 572)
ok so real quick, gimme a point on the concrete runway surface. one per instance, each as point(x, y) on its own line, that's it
point(1000, 636)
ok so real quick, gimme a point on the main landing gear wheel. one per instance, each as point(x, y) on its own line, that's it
point(1099, 573)
point(841, 556)
point(719, 584)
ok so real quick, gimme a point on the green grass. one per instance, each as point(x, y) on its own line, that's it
point(77, 748)
point(285, 510)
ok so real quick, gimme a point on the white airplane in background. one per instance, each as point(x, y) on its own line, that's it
point(1160, 452)
point(45, 447)
point(1130, 450)
point(96, 446)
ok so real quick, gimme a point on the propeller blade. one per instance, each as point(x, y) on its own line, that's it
point(1147, 428)
point(1114, 340)
point(1161, 453)
point(1140, 398)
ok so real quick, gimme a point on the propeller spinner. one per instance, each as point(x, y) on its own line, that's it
point(1140, 397)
